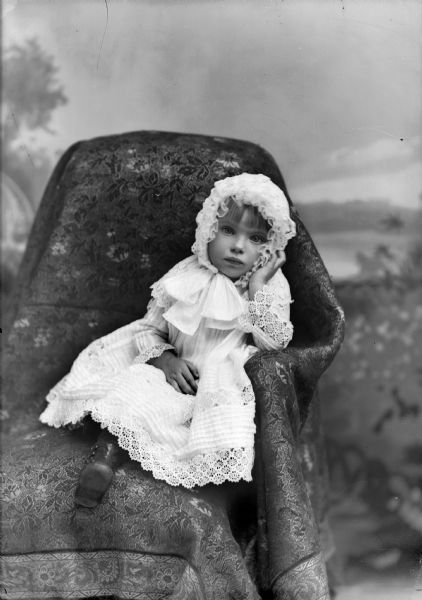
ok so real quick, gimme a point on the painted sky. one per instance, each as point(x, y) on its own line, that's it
point(331, 88)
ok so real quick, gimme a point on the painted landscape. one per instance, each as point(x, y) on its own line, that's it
point(360, 239)
point(324, 123)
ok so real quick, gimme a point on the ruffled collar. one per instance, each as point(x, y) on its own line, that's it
point(198, 293)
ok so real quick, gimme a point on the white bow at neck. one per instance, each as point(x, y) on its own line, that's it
point(197, 294)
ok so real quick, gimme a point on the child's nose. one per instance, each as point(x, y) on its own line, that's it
point(238, 243)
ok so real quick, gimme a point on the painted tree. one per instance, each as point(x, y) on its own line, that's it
point(31, 94)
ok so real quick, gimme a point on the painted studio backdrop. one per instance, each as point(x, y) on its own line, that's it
point(332, 90)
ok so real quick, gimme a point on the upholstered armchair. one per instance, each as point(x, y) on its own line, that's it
point(118, 212)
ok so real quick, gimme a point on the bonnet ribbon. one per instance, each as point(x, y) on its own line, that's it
point(201, 294)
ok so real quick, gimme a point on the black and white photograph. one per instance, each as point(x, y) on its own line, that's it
point(211, 300)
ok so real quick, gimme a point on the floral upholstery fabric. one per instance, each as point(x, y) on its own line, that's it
point(118, 212)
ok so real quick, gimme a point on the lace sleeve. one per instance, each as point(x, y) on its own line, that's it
point(268, 316)
point(151, 338)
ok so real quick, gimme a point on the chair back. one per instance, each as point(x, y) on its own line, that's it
point(118, 212)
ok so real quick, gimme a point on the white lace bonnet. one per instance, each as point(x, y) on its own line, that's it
point(254, 190)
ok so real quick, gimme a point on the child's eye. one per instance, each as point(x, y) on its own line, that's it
point(258, 238)
point(227, 229)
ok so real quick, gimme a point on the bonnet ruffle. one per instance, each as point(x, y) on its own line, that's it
point(255, 190)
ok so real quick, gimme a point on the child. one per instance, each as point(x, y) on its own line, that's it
point(171, 387)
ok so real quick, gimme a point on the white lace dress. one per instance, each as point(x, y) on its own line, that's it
point(183, 439)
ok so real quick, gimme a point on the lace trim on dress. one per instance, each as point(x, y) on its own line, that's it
point(152, 352)
point(262, 315)
point(268, 297)
point(159, 296)
point(224, 398)
point(232, 464)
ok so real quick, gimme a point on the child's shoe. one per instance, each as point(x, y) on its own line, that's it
point(97, 475)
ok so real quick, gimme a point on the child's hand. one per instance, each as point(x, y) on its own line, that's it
point(180, 373)
point(263, 275)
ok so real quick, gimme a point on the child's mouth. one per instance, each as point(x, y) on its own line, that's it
point(234, 261)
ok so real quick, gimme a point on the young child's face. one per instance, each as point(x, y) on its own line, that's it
point(238, 243)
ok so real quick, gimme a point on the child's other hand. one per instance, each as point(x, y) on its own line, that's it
point(263, 275)
point(180, 374)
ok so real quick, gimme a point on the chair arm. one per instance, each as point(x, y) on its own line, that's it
point(287, 534)
point(303, 364)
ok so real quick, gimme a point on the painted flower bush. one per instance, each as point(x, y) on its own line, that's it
point(372, 408)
